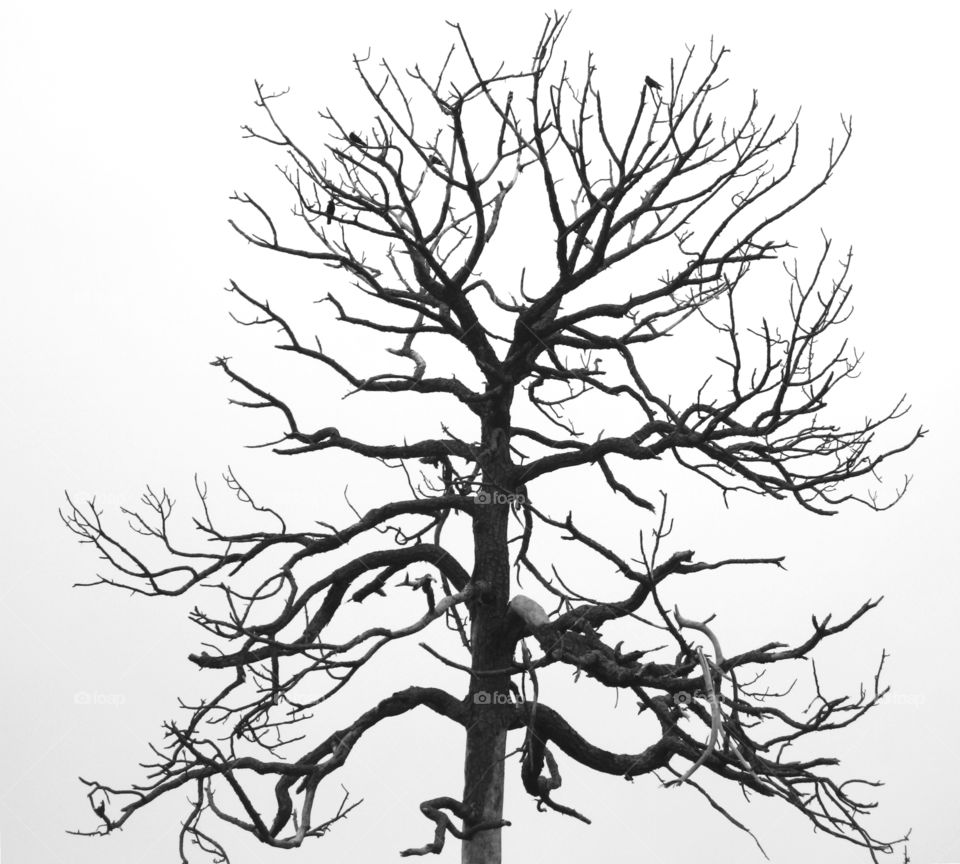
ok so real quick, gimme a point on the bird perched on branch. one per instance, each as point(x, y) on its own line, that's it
point(653, 85)
point(101, 811)
point(356, 140)
point(330, 209)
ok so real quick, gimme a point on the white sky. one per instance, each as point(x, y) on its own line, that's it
point(120, 147)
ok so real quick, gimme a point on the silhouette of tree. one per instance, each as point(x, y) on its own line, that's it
point(406, 212)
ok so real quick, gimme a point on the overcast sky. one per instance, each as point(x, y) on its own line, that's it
point(120, 147)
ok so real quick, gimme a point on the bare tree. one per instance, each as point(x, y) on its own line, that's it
point(407, 209)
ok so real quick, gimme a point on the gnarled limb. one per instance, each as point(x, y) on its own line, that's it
point(433, 810)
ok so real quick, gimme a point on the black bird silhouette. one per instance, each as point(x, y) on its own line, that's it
point(653, 85)
point(101, 811)
point(330, 208)
point(356, 140)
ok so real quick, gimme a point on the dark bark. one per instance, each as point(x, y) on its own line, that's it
point(489, 699)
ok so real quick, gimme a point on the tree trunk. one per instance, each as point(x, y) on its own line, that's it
point(489, 696)
point(483, 789)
